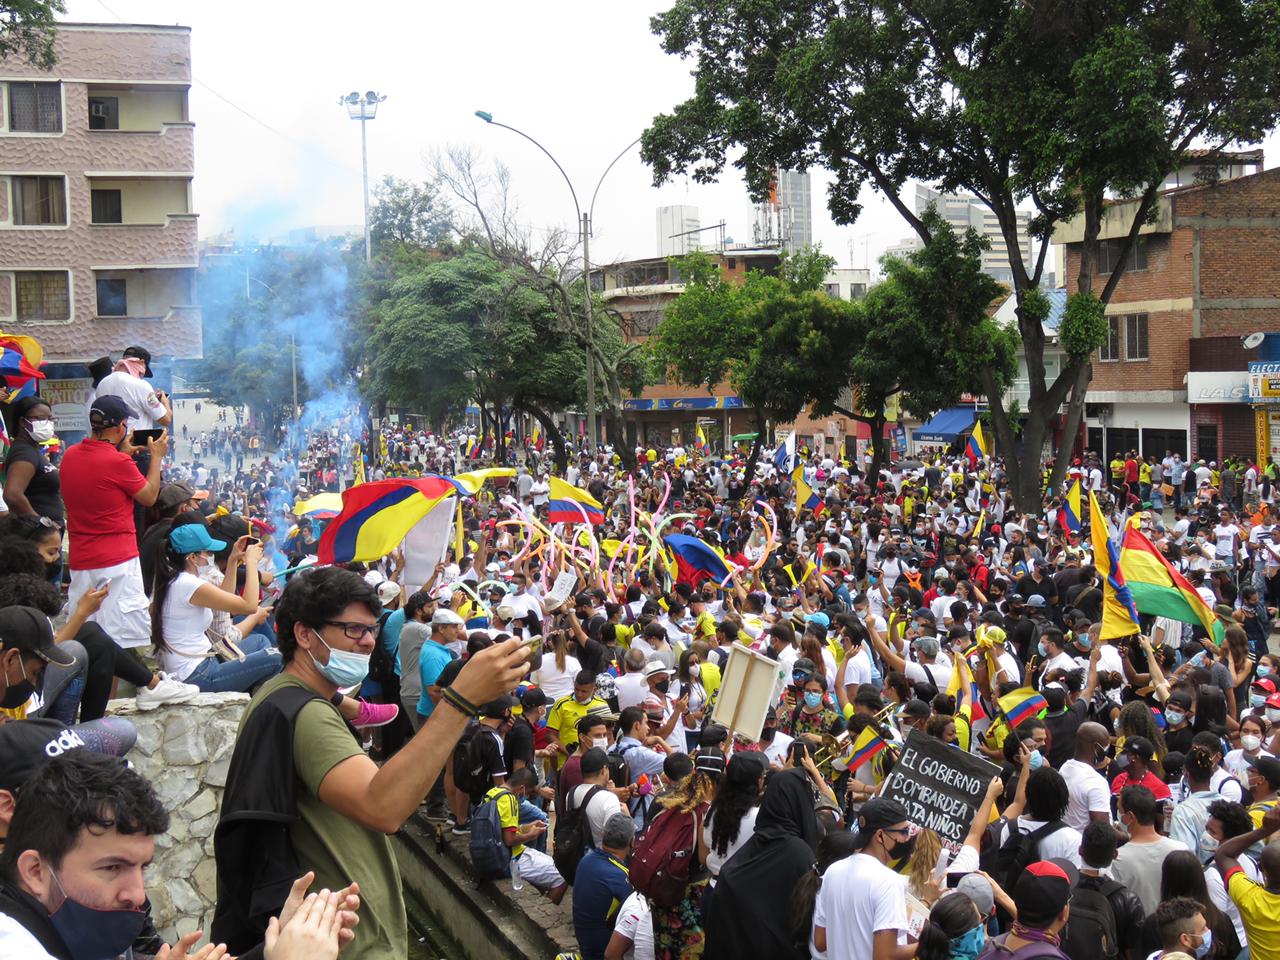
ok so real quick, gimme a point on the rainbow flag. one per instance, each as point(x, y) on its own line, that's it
point(695, 560)
point(806, 498)
point(565, 501)
point(1119, 614)
point(866, 746)
point(1159, 589)
point(1020, 704)
point(1069, 512)
point(976, 449)
point(376, 516)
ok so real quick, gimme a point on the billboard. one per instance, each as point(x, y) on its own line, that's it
point(70, 402)
point(1264, 380)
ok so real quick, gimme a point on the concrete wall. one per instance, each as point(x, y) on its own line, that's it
point(184, 751)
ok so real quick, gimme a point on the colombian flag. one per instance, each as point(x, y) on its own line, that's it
point(868, 744)
point(806, 499)
point(1021, 704)
point(469, 484)
point(1159, 589)
point(976, 448)
point(376, 516)
point(20, 360)
point(1119, 614)
point(695, 560)
point(962, 676)
point(564, 503)
point(1069, 513)
point(700, 440)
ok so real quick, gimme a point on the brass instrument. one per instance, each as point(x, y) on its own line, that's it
point(832, 748)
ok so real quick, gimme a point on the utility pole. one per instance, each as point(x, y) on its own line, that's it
point(592, 432)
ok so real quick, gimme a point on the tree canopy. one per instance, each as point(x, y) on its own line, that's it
point(27, 30)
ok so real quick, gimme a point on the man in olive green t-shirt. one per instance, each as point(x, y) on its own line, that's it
point(327, 625)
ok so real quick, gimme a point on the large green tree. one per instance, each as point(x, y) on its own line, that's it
point(1052, 104)
point(27, 30)
point(408, 214)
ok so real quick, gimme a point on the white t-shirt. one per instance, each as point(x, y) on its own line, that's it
point(941, 674)
point(859, 897)
point(745, 829)
point(1063, 842)
point(1235, 764)
point(1061, 661)
point(602, 806)
point(184, 625)
point(1088, 793)
point(556, 683)
point(631, 690)
point(523, 604)
point(137, 393)
point(1224, 536)
point(15, 941)
point(635, 923)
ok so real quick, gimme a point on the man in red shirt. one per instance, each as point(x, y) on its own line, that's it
point(100, 484)
point(1139, 752)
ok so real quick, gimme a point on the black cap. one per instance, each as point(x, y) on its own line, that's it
point(109, 411)
point(141, 353)
point(876, 814)
point(1141, 746)
point(498, 708)
point(1042, 890)
point(27, 745)
point(584, 599)
point(916, 708)
point(533, 698)
point(1268, 768)
point(28, 630)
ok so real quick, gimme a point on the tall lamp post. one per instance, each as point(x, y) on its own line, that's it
point(363, 108)
point(584, 226)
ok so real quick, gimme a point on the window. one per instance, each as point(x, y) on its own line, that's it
point(1110, 349)
point(43, 295)
point(833, 290)
point(112, 301)
point(1109, 255)
point(35, 107)
point(107, 207)
point(39, 201)
point(1135, 336)
point(857, 291)
point(104, 113)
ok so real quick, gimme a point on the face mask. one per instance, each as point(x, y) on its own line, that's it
point(969, 944)
point(1175, 717)
point(766, 735)
point(1206, 944)
point(903, 848)
point(93, 934)
point(1122, 761)
point(695, 671)
point(1263, 670)
point(662, 686)
point(18, 693)
point(1208, 845)
point(813, 700)
point(345, 667)
point(601, 742)
point(1250, 743)
point(41, 430)
point(1044, 651)
point(1037, 760)
point(1257, 699)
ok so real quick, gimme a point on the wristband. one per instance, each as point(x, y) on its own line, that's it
point(459, 702)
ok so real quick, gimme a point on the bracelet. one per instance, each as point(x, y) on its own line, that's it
point(459, 702)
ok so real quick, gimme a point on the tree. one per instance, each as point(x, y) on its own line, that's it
point(27, 30)
point(408, 215)
point(1052, 103)
point(748, 335)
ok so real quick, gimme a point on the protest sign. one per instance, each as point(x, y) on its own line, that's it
point(746, 691)
point(940, 786)
point(561, 589)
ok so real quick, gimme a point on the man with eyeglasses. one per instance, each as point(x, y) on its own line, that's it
point(297, 762)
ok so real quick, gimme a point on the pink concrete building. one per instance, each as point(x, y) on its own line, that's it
point(97, 232)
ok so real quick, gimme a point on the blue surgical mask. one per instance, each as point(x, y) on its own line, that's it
point(345, 667)
point(813, 700)
point(1206, 944)
point(91, 934)
point(969, 944)
point(1174, 717)
point(1257, 699)
point(1262, 670)
point(1044, 651)
point(1037, 760)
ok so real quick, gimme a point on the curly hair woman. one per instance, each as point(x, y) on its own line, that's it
point(677, 931)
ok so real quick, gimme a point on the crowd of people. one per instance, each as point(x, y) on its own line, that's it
point(570, 738)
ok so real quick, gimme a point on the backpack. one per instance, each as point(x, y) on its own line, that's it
point(1091, 929)
point(619, 769)
point(382, 668)
point(572, 837)
point(666, 858)
point(490, 855)
point(996, 950)
point(462, 759)
point(1020, 851)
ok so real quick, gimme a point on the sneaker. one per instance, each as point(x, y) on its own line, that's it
point(168, 690)
point(461, 829)
point(375, 714)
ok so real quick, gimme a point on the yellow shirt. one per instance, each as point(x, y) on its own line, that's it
point(508, 813)
point(1260, 911)
point(565, 714)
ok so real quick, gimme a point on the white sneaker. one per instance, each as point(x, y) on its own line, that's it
point(167, 690)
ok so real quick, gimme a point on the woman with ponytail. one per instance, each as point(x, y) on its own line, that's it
point(954, 931)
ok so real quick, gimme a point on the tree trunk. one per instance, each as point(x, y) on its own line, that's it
point(618, 436)
point(499, 435)
point(755, 447)
point(553, 434)
point(879, 453)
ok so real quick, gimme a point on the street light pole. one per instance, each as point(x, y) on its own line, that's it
point(364, 108)
point(584, 221)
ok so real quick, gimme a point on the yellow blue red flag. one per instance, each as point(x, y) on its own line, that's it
point(806, 498)
point(569, 504)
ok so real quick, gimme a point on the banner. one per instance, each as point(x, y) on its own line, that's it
point(70, 402)
point(940, 786)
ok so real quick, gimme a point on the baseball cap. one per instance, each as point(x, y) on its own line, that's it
point(1264, 683)
point(820, 618)
point(1180, 699)
point(924, 613)
point(876, 814)
point(143, 354)
point(978, 889)
point(388, 590)
point(29, 630)
point(505, 611)
point(655, 667)
point(533, 698)
point(1042, 891)
point(446, 617)
point(498, 708)
point(173, 494)
point(1035, 600)
point(109, 412)
point(1141, 746)
point(1267, 767)
point(27, 745)
point(193, 538)
point(915, 708)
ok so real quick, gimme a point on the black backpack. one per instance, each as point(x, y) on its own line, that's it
point(572, 837)
point(462, 759)
point(1091, 932)
point(382, 667)
point(1021, 850)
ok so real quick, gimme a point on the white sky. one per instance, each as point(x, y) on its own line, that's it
point(584, 77)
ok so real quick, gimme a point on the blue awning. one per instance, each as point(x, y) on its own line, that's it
point(945, 425)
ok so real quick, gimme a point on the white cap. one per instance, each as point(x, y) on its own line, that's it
point(655, 667)
point(444, 616)
point(388, 591)
point(373, 578)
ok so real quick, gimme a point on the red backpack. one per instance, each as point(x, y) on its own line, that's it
point(666, 858)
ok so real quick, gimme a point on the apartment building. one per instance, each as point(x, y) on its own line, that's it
point(97, 231)
point(963, 211)
point(1174, 372)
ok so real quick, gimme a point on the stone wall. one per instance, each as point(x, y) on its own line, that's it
point(184, 751)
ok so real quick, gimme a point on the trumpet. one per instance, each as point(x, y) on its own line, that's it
point(832, 748)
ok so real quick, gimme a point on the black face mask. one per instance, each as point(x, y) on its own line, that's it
point(662, 686)
point(18, 693)
point(766, 735)
point(903, 848)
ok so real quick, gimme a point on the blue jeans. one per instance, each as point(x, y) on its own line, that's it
point(261, 662)
point(530, 812)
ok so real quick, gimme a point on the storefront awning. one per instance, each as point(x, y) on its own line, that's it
point(945, 426)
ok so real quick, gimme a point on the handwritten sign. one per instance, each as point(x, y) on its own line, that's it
point(940, 786)
point(561, 589)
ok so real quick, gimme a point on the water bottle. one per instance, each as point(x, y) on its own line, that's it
point(516, 882)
